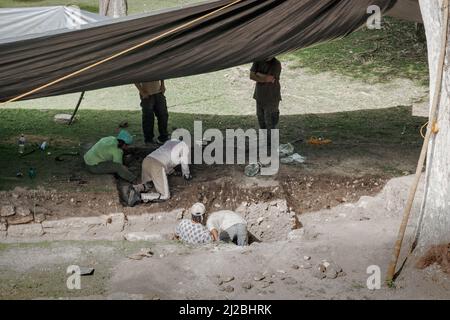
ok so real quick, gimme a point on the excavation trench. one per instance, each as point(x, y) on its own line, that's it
point(271, 205)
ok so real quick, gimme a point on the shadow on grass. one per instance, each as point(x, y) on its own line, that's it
point(364, 133)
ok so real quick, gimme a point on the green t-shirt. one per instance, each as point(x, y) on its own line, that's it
point(105, 149)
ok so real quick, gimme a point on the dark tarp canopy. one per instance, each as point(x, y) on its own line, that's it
point(247, 31)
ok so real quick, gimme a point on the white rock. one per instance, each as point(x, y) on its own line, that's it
point(142, 236)
point(23, 212)
point(7, 211)
point(62, 118)
point(296, 234)
point(227, 279)
point(259, 277)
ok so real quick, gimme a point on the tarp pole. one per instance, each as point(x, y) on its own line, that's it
point(76, 108)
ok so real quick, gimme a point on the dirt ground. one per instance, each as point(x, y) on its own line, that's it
point(351, 237)
point(305, 187)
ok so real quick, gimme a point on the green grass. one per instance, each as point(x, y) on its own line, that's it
point(398, 50)
point(358, 132)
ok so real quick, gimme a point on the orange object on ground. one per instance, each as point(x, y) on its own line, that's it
point(319, 141)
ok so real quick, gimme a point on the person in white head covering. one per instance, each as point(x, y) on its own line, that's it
point(193, 231)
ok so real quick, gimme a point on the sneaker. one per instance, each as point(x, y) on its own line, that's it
point(151, 197)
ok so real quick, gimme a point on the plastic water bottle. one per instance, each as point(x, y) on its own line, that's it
point(32, 173)
point(22, 142)
point(43, 145)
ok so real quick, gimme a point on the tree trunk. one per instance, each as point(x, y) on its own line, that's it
point(113, 8)
point(435, 225)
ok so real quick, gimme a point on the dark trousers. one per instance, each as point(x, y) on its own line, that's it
point(268, 116)
point(110, 167)
point(154, 105)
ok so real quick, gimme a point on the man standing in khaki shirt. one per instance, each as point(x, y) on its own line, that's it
point(153, 103)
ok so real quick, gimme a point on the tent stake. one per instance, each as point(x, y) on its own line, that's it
point(76, 108)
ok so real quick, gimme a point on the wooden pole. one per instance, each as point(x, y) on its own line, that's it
point(430, 131)
point(76, 108)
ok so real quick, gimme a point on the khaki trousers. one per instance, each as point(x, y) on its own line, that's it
point(154, 171)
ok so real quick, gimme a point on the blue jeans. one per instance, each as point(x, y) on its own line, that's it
point(237, 234)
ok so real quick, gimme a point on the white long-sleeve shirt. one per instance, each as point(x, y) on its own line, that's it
point(224, 219)
point(171, 154)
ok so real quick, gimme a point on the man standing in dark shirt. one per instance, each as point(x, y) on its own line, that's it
point(267, 94)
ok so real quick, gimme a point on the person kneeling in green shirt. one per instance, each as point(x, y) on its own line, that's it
point(106, 156)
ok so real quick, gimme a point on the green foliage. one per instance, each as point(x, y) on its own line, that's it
point(397, 50)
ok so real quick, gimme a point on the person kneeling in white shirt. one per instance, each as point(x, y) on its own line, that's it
point(160, 163)
point(228, 226)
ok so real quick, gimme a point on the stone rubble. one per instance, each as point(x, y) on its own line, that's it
point(328, 269)
point(228, 289)
point(258, 277)
point(227, 279)
point(262, 216)
point(7, 211)
point(20, 220)
point(247, 285)
point(22, 211)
